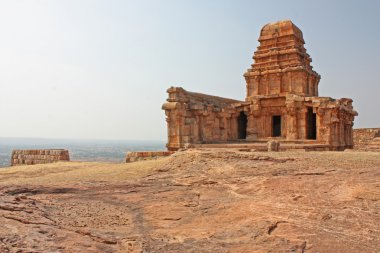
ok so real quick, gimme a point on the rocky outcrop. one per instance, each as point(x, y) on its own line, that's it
point(38, 156)
point(196, 201)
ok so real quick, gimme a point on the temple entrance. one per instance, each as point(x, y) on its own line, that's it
point(311, 124)
point(276, 126)
point(242, 126)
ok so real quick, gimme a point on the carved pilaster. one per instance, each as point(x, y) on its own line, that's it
point(291, 120)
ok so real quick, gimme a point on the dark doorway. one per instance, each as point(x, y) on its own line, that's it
point(311, 124)
point(276, 126)
point(242, 126)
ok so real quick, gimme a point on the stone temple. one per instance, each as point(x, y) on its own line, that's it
point(282, 103)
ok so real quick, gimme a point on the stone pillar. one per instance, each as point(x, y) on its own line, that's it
point(195, 129)
point(322, 126)
point(175, 122)
point(222, 126)
point(291, 120)
point(342, 141)
point(173, 142)
point(233, 127)
point(252, 131)
point(177, 133)
point(207, 126)
point(301, 123)
point(351, 132)
point(228, 127)
point(334, 136)
point(200, 128)
point(254, 113)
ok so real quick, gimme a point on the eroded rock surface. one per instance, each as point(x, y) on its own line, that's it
point(196, 201)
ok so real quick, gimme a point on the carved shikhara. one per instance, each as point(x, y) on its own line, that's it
point(282, 102)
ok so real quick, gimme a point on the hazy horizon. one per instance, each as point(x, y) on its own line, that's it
point(96, 69)
point(79, 150)
point(82, 139)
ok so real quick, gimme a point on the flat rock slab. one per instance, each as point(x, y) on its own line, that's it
point(196, 201)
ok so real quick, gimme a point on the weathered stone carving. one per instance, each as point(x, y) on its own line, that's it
point(282, 102)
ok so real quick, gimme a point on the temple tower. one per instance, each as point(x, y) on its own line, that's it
point(281, 64)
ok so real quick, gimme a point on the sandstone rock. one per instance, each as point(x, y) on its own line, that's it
point(196, 201)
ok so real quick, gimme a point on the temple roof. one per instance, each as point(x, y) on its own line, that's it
point(280, 29)
point(281, 49)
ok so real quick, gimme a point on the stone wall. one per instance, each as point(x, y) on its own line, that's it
point(38, 156)
point(333, 121)
point(195, 118)
point(145, 155)
point(363, 136)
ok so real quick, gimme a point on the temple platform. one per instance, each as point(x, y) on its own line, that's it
point(262, 145)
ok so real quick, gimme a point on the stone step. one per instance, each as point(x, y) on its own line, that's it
point(265, 141)
point(264, 146)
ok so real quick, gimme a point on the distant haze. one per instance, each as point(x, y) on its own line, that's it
point(94, 69)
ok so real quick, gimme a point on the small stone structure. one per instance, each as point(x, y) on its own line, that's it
point(273, 146)
point(38, 156)
point(282, 102)
point(367, 139)
point(145, 155)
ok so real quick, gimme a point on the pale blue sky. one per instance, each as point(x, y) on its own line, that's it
point(100, 69)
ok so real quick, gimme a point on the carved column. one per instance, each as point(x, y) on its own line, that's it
point(335, 128)
point(342, 140)
point(253, 120)
point(233, 126)
point(291, 120)
point(174, 121)
point(323, 131)
point(301, 123)
point(222, 116)
point(251, 130)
